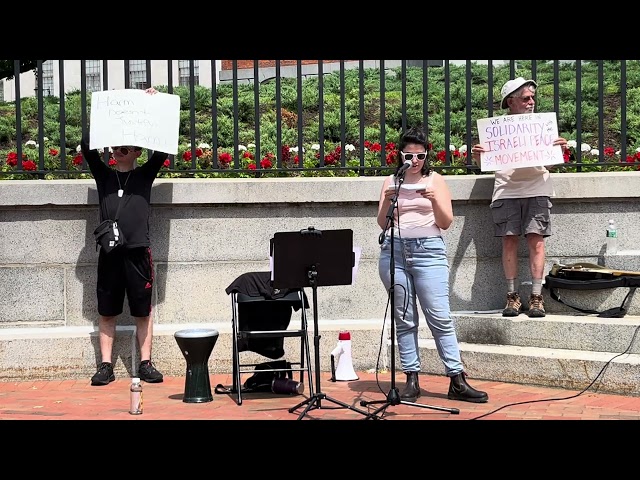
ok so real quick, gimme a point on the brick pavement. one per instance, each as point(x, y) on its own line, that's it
point(78, 400)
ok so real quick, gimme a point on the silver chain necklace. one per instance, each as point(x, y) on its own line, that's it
point(121, 191)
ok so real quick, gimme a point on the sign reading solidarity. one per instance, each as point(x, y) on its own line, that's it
point(516, 141)
point(134, 117)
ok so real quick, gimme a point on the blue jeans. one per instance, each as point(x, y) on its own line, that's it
point(422, 271)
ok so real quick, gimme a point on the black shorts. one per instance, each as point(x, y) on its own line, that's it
point(130, 271)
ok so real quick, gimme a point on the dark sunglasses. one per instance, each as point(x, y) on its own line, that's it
point(409, 156)
point(125, 150)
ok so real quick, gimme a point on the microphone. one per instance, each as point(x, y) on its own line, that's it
point(406, 166)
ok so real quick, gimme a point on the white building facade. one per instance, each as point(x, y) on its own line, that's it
point(180, 74)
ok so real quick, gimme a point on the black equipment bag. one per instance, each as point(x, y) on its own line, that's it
point(589, 276)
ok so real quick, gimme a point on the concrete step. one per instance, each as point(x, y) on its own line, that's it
point(573, 332)
point(611, 372)
point(568, 351)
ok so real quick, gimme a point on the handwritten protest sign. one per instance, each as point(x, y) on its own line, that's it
point(516, 141)
point(134, 117)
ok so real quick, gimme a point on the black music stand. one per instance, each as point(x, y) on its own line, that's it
point(314, 258)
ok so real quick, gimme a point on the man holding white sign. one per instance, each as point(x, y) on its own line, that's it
point(517, 147)
point(124, 197)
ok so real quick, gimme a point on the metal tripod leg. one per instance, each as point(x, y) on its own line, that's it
point(315, 400)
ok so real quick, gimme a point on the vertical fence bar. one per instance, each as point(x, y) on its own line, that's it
point(534, 70)
point(425, 97)
point(468, 108)
point(62, 117)
point(40, 93)
point(447, 112)
point(556, 85)
point(16, 76)
point(192, 114)
point(148, 70)
point(214, 114)
point(171, 156)
point(170, 76)
point(383, 133)
point(127, 74)
point(600, 111)
point(490, 82)
point(623, 110)
point(343, 116)
point(579, 113)
point(361, 115)
point(278, 118)
point(83, 105)
point(300, 113)
point(403, 95)
point(105, 86)
point(256, 108)
point(234, 83)
point(321, 112)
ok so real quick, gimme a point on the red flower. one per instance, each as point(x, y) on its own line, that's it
point(266, 163)
point(29, 165)
point(609, 152)
point(389, 146)
point(442, 156)
point(12, 159)
point(112, 162)
point(167, 163)
point(248, 155)
point(199, 152)
point(186, 156)
point(567, 156)
point(224, 157)
point(77, 160)
point(296, 160)
point(375, 147)
point(391, 157)
point(251, 166)
point(53, 152)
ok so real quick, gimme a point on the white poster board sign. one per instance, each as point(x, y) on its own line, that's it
point(516, 141)
point(134, 117)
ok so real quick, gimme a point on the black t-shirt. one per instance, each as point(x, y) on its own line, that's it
point(134, 213)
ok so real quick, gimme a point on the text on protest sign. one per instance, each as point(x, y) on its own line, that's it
point(516, 141)
point(134, 117)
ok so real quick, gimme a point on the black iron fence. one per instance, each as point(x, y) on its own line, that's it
point(342, 122)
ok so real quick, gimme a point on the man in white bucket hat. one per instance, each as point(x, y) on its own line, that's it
point(521, 205)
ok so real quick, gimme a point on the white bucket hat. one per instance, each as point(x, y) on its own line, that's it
point(513, 85)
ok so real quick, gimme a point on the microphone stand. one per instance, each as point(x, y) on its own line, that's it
point(393, 396)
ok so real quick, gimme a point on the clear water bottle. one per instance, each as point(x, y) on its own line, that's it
point(135, 390)
point(612, 238)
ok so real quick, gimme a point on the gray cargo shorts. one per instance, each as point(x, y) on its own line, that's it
point(520, 216)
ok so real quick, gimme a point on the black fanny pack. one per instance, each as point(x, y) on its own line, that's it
point(109, 236)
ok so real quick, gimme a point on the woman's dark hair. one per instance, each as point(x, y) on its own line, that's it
point(414, 136)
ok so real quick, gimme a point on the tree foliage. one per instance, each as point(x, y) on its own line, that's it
point(7, 67)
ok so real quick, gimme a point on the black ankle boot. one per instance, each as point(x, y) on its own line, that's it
point(459, 389)
point(411, 390)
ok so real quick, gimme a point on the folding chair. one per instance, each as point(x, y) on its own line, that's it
point(260, 323)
